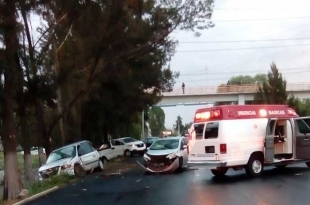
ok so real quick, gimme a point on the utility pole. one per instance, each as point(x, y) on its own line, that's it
point(178, 126)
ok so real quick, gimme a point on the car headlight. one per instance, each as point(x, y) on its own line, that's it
point(146, 158)
point(172, 156)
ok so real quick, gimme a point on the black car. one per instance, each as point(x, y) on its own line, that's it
point(149, 140)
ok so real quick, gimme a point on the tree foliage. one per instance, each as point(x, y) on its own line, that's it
point(156, 120)
point(302, 107)
point(247, 79)
point(178, 126)
point(272, 91)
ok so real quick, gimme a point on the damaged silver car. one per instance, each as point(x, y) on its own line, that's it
point(166, 155)
point(74, 159)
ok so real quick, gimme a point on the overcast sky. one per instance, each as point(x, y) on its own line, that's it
point(283, 25)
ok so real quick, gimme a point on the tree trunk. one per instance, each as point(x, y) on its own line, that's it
point(29, 175)
point(26, 143)
point(42, 140)
point(12, 185)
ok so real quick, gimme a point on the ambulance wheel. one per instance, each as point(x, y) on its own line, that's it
point(219, 172)
point(308, 164)
point(255, 166)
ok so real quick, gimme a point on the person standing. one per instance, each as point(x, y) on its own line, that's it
point(183, 87)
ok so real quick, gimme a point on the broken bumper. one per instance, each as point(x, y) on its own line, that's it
point(206, 164)
point(47, 174)
point(172, 167)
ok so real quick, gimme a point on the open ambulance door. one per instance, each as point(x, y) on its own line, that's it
point(269, 140)
point(302, 137)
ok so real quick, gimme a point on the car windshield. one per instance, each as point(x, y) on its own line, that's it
point(128, 139)
point(165, 144)
point(62, 154)
point(151, 140)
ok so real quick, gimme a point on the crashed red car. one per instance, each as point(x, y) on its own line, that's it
point(166, 155)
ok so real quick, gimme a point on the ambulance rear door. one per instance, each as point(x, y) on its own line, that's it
point(302, 137)
point(205, 141)
point(269, 140)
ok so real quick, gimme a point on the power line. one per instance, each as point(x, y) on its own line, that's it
point(241, 41)
point(234, 49)
point(243, 71)
point(232, 9)
point(216, 79)
point(266, 19)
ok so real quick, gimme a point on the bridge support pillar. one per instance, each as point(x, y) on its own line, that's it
point(241, 100)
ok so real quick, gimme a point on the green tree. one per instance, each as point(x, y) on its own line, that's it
point(110, 39)
point(156, 120)
point(9, 38)
point(302, 107)
point(178, 126)
point(272, 91)
point(247, 79)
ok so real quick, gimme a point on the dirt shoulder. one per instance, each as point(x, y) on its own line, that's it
point(120, 165)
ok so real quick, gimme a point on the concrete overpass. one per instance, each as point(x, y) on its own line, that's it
point(224, 93)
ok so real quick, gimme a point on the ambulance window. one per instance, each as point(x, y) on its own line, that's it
point(212, 130)
point(199, 131)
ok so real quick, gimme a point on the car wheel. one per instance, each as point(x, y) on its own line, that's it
point(308, 164)
point(219, 172)
point(281, 166)
point(100, 166)
point(79, 171)
point(255, 166)
point(104, 160)
point(127, 153)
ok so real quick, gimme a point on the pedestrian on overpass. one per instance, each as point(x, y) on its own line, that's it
point(183, 87)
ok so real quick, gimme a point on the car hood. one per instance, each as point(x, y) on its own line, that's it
point(57, 163)
point(135, 142)
point(161, 152)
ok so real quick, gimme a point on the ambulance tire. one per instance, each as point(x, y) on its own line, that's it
point(255, 166)
point(308, 164)
point(219, 172)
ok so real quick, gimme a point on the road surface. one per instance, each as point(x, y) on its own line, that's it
point(192, 187)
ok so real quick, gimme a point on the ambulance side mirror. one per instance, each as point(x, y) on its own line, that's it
point(184, 146)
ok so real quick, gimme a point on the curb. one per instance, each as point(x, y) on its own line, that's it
point(33, 197)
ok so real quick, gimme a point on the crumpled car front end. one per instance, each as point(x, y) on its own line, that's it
point(65, 166)
point(160, 163)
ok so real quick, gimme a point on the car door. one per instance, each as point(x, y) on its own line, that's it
point(269, 140)
point(302, 138)
point(119, 147)
point(88, 155)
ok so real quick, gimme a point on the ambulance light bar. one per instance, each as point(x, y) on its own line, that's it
point(208, 114)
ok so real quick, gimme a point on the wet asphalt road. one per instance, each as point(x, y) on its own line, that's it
point(192, 187)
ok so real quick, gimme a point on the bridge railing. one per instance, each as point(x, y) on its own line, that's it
point(244, 88)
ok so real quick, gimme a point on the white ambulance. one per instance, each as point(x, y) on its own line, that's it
point(248, 136)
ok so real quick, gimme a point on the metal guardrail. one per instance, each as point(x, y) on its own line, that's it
point(226, 89)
